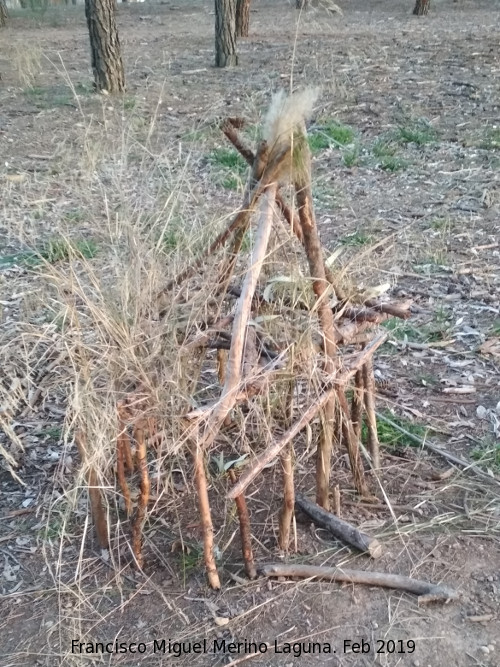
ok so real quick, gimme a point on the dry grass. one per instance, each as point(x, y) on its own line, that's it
point(86, 330)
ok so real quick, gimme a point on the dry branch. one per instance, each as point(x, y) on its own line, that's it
point(242, 315)
point(238, 221)
point(371, 419)
point(322, 290)
point(245, 531)
point(338, 528)
point(228, 128)
point(98, 514)
point(205, 516)
point(357, 403)
point(142, 503)
point(352, 444)
point(425, 591)
point(276, 446)
point(286, 513)
point(120, 470)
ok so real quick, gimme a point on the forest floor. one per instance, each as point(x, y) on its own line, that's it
point(406, 144)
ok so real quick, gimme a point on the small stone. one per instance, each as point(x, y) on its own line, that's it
point(491, 647)
point(484, 649)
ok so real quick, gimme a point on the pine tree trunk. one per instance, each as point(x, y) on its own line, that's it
point(225, 33)
point(242, 17)
point(105, 49)
point(3, 13)
point(421, 7)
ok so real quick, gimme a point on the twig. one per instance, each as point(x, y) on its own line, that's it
point(245, 531)
point(339, 528)
point(286, 513)
point(425, 591)
point(276, 446)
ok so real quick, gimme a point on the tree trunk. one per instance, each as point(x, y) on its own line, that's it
point(421, 7)
point(3, 13)
point(225, 33)
point(107, 63)
point(242, 17)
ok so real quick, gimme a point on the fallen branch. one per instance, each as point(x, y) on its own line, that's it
point(339, 528)
point(425, 591)
point(276, 446)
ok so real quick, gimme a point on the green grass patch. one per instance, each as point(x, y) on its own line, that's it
point(227, 159)
point(330, 134)
point(487, 454)
point(351, 157)
point(49, 97)
point(54, 251)
point(393, 163)
point(356, 239)
point(392, 436)
point(231, 166)
point(419, 133)
point(491, 139)
point(401, 330)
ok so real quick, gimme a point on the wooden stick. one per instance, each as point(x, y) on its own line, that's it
point(371, 419)
point(276, 446)
point(286, 513)
point(142, 503)
point(425, 591)
point(337, 508)
point(240, 219)
point(120, 472)
point(338, 528)
point(293, 222)
point(352, 444)
point(321, 289)
point(357, 403)
point(242, 315)
point(125, 440)
point(98, 514)
point(221, 365)
point(205, 517)
point(245, 531)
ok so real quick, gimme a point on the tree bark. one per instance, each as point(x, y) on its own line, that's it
point(242, 17)
point(3, 13)
point(106, 57)
point(421, 7)
point(225, 33)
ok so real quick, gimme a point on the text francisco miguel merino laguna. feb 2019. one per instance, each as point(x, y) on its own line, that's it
point(246, 647)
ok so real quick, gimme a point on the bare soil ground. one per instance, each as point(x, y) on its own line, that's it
point(413, 197)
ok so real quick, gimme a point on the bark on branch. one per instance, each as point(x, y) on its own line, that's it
point(426, 592)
